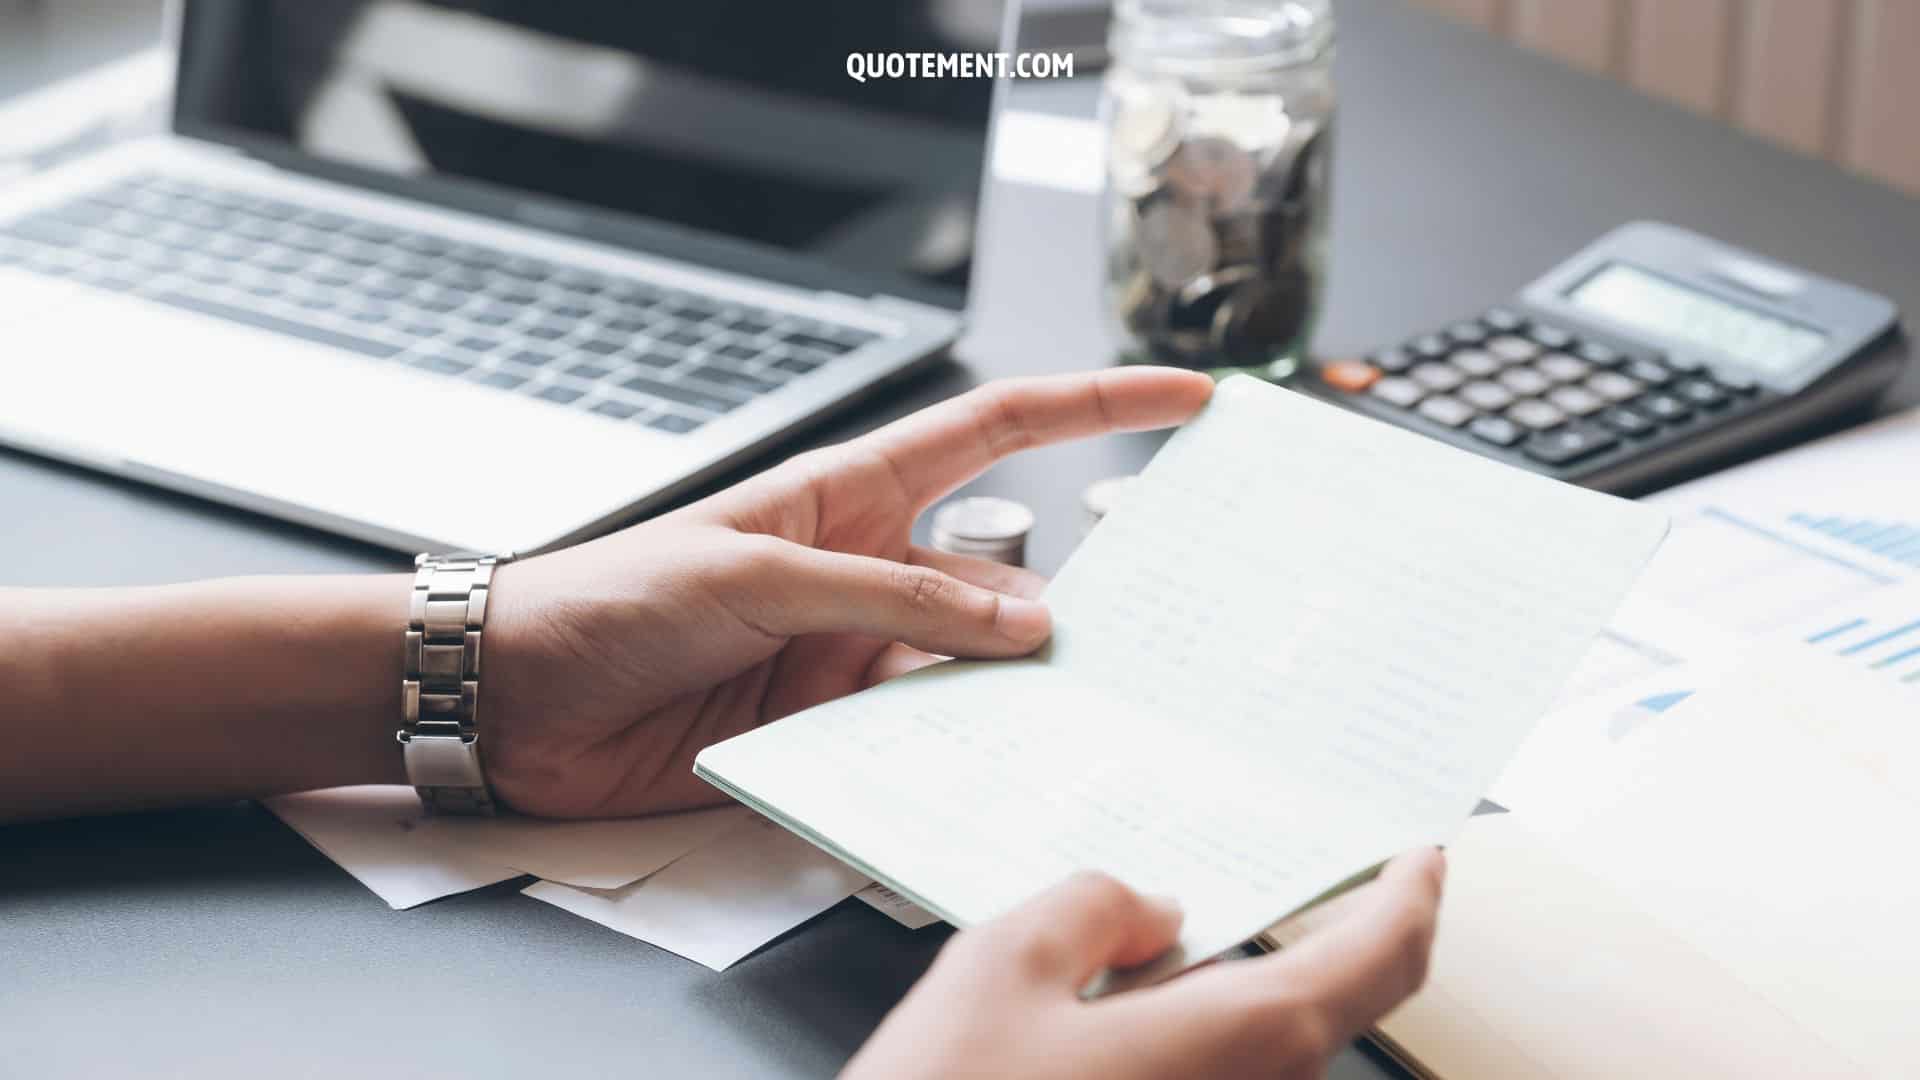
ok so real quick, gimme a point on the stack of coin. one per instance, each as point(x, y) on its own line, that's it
point(1100, 498)
point(1216, 212)
point(985, 528)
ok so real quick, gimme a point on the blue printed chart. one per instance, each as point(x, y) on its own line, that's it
point(1886, 644)
point(1892, 540)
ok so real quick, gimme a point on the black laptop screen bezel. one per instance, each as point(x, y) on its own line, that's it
point(645, 236)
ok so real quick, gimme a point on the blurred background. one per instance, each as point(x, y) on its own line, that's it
point(1835, 79)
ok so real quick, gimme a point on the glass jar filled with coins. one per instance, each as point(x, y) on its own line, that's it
point(1217, 116)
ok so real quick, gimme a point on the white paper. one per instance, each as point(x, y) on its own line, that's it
point(1769, 821)
point(1262, 680)
point(598, 854)
point(896, 907)
point(722, 901)
point(379, 834)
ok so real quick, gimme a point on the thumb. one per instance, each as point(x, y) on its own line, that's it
point(1086, 924)
point(792, 589)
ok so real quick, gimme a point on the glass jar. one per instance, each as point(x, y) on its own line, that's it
point(1218, 115)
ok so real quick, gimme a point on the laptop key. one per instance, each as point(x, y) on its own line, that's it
point(815, 341)
point(504, 380)
point(681, 394)
point(737, 351)
point(560, 395)
point(589, 371)
point(365, 346)
point(651, 358)
point(619, 410)
point(798, 364)
point(738, 380)
point(679, 425)
point(441, 365)
point(531, 357)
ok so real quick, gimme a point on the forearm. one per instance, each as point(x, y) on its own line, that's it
point(121, 699)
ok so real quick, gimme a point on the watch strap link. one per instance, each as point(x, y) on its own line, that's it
point(440, 693)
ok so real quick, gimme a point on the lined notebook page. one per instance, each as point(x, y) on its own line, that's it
point(1306, 641)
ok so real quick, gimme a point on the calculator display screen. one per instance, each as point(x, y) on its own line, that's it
point(1636, 298)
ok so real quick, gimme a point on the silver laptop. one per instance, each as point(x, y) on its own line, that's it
point(493, 274)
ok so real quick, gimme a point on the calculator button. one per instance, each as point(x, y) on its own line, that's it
point(1391, 361)
point(1475, 362)
point(1395, 390)
point(1614, 386)
point(1502, 320)
point(1490, 397)
point(1429, 347)
point(1562, 368)
point(1703, 393)
point(1351, 376)
point(1537, 415)
point(1441, 377)
point(1599, 355)
point(1737, 381)
point(1627, 422)
point(1551, 337)
point(1663, 407)
point(1684, 364)
point(1569, 444)
point(1442, 409)
point(1649, 372)
point(1525, 381)
point(1577, 400)
point(1513, 349)
point(1467, 333)
point(1497, 430)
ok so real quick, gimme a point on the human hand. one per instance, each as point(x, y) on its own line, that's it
point(1002, 999)
point(609, 665)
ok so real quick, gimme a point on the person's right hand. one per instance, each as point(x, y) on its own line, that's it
point(1002, 999)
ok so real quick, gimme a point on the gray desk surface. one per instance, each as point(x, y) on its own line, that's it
point(214, 942)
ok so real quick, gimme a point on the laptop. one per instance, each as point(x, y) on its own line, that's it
point(494, 274)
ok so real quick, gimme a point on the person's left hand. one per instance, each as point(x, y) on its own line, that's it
point(609, 665)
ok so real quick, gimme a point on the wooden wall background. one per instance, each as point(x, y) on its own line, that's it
point(1839, 79)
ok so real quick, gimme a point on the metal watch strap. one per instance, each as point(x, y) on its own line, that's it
point(439, 739)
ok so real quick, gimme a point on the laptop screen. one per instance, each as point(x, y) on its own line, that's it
point(726, 132)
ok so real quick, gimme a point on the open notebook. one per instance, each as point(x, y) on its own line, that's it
point(1305, 642)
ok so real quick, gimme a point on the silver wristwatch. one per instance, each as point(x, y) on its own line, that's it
point(440, 695)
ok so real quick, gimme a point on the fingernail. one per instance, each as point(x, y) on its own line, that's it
point(1024, 620)
point(1164, 904)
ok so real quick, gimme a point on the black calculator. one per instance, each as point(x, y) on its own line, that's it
point(1653, 353)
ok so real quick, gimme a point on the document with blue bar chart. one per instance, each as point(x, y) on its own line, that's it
point(1762, 548)
point(1262, 682)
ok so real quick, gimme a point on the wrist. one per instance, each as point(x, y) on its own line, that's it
point(215, 690)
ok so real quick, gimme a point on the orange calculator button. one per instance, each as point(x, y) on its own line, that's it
point(1353, 376)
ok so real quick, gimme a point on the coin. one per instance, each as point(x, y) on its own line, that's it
point(1262, 317)
point(1176, 242)
point(1212, 170)
point(1100, 497)
point(984, 527)
point(1194, 304)
point(1257, 123)
point(1143, 304)
point(1141, 134)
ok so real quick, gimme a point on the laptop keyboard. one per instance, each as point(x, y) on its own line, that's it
point(615, 346)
